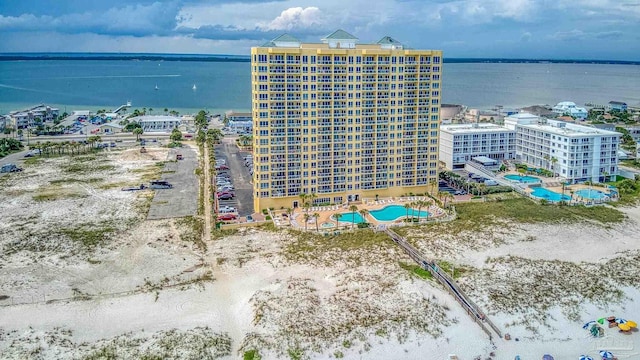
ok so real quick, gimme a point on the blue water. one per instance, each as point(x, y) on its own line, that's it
point(95, 84)
point(394, 212)
point(349, 217)
point(524, 179)
point(590, 194)
point(549, 195)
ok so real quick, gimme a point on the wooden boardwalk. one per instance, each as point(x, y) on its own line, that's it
point(449, 284)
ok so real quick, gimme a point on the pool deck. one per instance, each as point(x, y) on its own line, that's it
point(555, 184)
point(325, 213)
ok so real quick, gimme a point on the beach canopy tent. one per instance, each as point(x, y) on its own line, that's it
point(606, 354)
point(484, 160)
point(624, 327)
point(547, 357)
point(585, 357)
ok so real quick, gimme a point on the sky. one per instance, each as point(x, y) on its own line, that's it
point(540, 29)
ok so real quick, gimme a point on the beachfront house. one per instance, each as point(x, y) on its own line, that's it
point(239, 121)
point(571, 109)
point(617, 106)
point(460, 143)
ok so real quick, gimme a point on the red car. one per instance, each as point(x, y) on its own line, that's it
point(222, 167)
point(227, 217)
point(225, 196)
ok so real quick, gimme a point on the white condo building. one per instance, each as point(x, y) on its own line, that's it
point(460, 143)
point(574, 152)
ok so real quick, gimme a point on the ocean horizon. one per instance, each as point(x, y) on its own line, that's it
point(10, 56)
point(105, 83)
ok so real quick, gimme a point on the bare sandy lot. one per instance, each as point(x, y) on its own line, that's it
point(85, 276)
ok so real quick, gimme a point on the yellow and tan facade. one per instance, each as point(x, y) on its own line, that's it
point(343, 120)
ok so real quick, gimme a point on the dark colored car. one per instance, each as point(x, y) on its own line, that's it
point(225, 196)
point(222, 167)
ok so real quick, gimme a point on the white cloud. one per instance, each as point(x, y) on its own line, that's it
point(296, 18)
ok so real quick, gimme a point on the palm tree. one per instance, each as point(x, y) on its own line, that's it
point(337, 216)
point(364, 213)
point(138, 131)
point(312, 197)
point(166, 111)
point(303, 199)
point(353, 209)
point(433, 182)
point(407, 206)
point(306, 207)
point(316, 216)
point(306, 218)
point(420, 204)
point(554, 161)
point(447, 196)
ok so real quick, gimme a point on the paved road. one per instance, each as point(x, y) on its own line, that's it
point(182, 199)
point(239, 175)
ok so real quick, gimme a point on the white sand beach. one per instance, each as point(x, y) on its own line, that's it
point(144, 290)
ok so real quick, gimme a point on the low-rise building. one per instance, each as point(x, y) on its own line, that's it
point(239, 121)
point(617, 106)
point(574, 152)
point(571, 109)
point(36, 115)
point(159, 123)
point(110, 128)
point(460, 143)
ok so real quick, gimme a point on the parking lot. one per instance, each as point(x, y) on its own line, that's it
point(182, 199)
point(238, 175)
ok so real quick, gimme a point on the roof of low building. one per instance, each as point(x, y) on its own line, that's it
point(285, 38)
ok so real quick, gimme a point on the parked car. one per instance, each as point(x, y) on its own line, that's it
point(222, 167)
point(226, 188)
point(226, 217)
point(160, 184)
point(249, 218)
point(225, 196)
point(227, 209)
point(460, 192)
point(9, 168)
point(178, 156)
point(223, 192)
point(29, 154)
point(223, 182)
point(490, 182)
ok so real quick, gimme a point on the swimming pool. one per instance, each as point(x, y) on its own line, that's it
point(590, 194)
point(351, 217)
point(326, 225)
point(549, 195)
point(393, 212)
point(524, 179)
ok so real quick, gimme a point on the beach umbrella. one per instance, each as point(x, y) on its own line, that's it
point(585, 357)
point(606, 354)
point(624, 327)
point(602, 320)
point(547, 357)
point(621, 321)
point(632, 323)
point(586, 325)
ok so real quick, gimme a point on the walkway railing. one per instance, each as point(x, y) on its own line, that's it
point(450, 285)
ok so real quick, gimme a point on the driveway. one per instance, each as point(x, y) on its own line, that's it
point(239, 176)
point(182, 199)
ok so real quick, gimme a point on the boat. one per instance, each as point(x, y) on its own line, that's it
point(156, 87)
point(194, 87)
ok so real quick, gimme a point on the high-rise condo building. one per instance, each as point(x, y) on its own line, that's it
point(343, 120)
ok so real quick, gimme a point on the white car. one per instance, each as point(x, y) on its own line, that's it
point(227, 209)
point(226, 187)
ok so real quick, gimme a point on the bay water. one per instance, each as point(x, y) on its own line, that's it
point(220, 86)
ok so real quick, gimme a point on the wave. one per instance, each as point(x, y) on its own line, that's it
point(101, 77)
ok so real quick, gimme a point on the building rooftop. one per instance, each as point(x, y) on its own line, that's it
point(340, 35)
point(568, 129)
point(473, 128)
point(285, 38)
